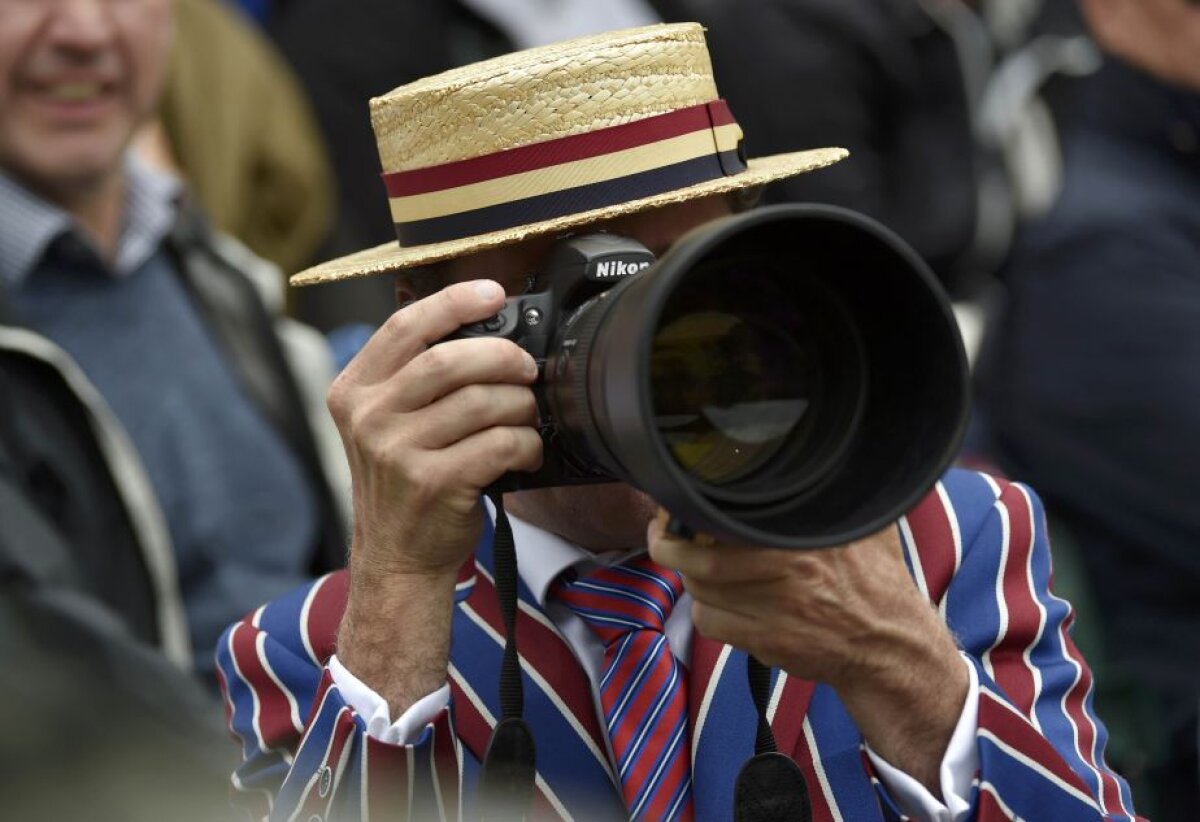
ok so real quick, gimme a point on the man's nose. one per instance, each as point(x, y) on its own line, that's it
point(81, 25)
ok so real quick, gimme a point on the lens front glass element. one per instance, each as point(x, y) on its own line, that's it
point(746, 384)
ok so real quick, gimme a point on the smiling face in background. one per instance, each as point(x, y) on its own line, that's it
point(77, 77)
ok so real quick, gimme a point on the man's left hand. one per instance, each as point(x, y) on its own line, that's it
point(849, 616)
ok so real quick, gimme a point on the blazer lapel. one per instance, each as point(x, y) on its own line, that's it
point(723, 724)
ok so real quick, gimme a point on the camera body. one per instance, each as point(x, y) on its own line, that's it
point(578, 272)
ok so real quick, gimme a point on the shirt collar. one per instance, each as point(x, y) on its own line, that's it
point(29, 223)
point(151, 205)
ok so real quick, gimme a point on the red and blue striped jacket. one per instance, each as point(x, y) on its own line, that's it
point(976, 546)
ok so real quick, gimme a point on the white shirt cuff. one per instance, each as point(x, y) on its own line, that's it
point(957, 772)
point(374, 709)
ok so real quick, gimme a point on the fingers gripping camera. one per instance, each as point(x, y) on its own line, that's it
point(579, 272)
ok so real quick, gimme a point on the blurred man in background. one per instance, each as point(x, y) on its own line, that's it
point(97, 690)
point(117, 280)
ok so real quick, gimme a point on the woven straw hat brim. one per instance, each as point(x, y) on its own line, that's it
point(391, 257)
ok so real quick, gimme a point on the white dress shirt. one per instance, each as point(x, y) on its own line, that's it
point(541, 558)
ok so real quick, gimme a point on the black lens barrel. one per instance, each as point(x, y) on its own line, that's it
point(843, 342)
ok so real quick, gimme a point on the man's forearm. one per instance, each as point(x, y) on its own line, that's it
point(395, 635)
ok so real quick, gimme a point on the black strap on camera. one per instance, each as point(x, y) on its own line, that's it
point(770, 786)
point(510, 762)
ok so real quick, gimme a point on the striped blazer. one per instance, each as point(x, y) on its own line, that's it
point(976, 546)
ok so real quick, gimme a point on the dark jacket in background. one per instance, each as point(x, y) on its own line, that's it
point(95, 692)
point(875, 76)
point(1090, 386)
point(380, 44)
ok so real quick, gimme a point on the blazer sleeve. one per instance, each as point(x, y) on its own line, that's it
point(978, 546)
point(305, 752)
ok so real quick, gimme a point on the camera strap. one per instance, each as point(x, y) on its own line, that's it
point(770, 787)
point(509, 764)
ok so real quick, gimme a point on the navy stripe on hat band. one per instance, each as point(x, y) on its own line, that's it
point(571, 201)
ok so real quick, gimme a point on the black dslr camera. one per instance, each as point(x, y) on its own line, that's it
point(579, 271)
point(792, 376)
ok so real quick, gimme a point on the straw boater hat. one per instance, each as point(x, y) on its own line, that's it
point(543, 140)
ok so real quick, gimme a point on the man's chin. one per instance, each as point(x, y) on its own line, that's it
point(598, 518)
point(63, 169)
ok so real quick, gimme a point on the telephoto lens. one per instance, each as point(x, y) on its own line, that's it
point(792, 376)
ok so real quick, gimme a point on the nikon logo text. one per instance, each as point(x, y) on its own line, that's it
point(618, 268)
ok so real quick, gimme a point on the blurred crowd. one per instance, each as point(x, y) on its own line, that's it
point(166, 462)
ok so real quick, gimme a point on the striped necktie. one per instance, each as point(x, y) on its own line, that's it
point(644, 687)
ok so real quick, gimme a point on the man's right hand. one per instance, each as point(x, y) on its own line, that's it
point(425, 428)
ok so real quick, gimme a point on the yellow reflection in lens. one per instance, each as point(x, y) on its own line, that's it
point(725, 400)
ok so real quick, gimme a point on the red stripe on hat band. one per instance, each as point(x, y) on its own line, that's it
point(548, 153)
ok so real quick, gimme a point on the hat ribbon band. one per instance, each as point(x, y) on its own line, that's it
point(570, 175)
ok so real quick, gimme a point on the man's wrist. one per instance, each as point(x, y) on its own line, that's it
point(375, 711)
point(959, 765)
point(395, 634)
point(907, 702)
